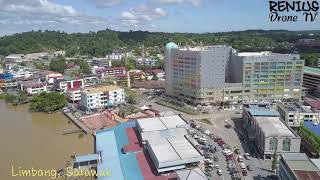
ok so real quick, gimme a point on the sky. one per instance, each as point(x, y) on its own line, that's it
point(196, 16)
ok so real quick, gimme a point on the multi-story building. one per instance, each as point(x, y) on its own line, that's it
point(32, 88)
point(116, 56)
point(111, 71)
point(311, 78)
point(95, 98)
point(67, 83)
point(100, 62)
point(215, 74)
point(297, 166)
point(74, 95)
point(294, 114)
point(268, 133)
point(49, 76)
point(21, 73)
point(146, 62)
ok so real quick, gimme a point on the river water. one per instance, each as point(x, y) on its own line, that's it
point(30, 139)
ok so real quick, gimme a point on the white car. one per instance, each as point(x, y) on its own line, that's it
point(207, 132)
point(227, 151)
point(208, 161)
point(242, 166)
point(247, 156)
point(196, 136)
point(240, 159)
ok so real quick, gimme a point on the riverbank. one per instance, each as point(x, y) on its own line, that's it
point(36, 139)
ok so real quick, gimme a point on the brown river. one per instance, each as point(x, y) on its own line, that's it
point(35, 140)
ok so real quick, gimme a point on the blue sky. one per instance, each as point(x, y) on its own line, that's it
point(153, 15)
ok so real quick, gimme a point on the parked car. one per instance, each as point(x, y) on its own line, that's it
point(219, 172)
point(247, 156)
point(249, 168)
point(216, 159)
point(242, 166)
point(193, 125)
point(244, 172)
point(208, 161)
point(240, 159)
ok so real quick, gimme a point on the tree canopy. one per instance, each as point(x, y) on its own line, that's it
point(48, 102)
point(58, 65)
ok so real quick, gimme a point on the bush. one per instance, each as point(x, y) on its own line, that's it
point(48, 102)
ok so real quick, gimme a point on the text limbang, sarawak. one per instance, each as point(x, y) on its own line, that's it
point(293, 11)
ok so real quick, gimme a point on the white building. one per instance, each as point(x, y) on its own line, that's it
point(145, 62)
point(294, 114)
point(14, 58)
point(115, 56)
point(21, 73)
point(33, 88)
point(74, 95)
point(59, 53)
point(99, 97)
point(50, 76)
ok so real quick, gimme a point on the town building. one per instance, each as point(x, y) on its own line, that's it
point(297, 166)
point(268, 133)
point(49, 76)
point(213, 74)
point(32, 88)
point(311, 78)
point(293, 114)
point(159, 73)
point(74, 95)
point(100, 62)
point(99, 97)
point(111, 71)
point(145, 62)
point(151, 148)
point(59, 53)
point(6, 76)
point(63, 85)
point(14, 58)
point(22, 73)
point(116, 56)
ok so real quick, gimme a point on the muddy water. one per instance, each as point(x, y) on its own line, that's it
point(35, 140)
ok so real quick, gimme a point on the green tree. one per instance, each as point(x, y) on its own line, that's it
point(132, 97)
point(274, 161)
point(58, 65)
point(48, 102)
point(85, 67)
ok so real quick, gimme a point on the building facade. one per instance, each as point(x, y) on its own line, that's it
point(99, 97)
point(74, 95)
point(297, 166)
point(294, 114)
point(32, 88)
point(214, 74)
point(311, 78)
point(268, 133)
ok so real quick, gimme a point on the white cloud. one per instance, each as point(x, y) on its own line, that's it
point(141, 15)
point(193, 2)
point(105, 3)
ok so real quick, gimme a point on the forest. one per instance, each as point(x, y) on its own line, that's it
point(100, 43)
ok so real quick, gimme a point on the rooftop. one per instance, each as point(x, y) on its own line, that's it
point(311, 70)
point(262, 111)
point(313, 127)
point(101, 88)
point(32, 84)
point(301, 165)
point(160, 123)
point(272, 126)
point(296, 107)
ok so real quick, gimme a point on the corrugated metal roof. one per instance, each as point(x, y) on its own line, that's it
point(160, 123)
point(311, 70)
point(89, 157)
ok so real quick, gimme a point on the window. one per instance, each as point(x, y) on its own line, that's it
point(273, 144)
point(286, 143)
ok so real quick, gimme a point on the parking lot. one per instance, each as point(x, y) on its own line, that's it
point(227, 161)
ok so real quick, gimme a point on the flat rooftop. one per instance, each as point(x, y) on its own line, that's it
point(296, 107)
point(272, 126)
point(101, 88)
point(301, 166)
point(204, 48)
point(311, 71)
point(255, 111)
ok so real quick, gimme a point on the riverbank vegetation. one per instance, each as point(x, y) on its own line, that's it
point(15, 98)
point(48, 102)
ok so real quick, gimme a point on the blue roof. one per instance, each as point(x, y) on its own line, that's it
point(121, 166)
point(261, 111)
point(312, 127)
point(171, 45)
point(88, 157)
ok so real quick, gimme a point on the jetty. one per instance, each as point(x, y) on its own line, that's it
point(77, 122)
